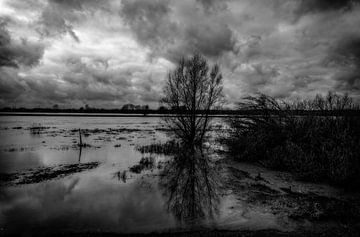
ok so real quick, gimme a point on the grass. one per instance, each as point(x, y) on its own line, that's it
point(146, 163)
point(167, 148)
point(36, 128)
point(316, 148)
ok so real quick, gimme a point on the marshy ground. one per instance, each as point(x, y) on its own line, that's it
point(117, 184)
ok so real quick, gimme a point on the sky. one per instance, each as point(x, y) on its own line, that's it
point(107, 53)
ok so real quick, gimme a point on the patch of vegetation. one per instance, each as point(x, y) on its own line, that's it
point(84, 145)
point(17, 127)
point(121, 175)
point(167, 148)
point(316, 147)
point(146, 163)
point(37, 128)
point(43, 174)
point(19, 149)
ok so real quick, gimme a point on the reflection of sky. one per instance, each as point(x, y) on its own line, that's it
point(20, 150)
point(85, 201)
point(92, 200)
point(11, 161)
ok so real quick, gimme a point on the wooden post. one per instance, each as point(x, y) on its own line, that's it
point(81, 144)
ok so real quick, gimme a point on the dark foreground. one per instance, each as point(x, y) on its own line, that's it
point(311, 209)
point(225, 233)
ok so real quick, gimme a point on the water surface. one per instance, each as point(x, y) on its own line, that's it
point(167, 193)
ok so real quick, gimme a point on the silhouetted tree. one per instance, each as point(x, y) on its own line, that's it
point(192, 91)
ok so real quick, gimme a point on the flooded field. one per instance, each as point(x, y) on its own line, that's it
point(112, 181)
point(49, 182)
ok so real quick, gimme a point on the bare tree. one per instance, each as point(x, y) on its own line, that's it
point(192, 91)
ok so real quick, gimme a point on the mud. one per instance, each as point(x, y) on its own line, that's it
point(308, 206)
point(43, 174)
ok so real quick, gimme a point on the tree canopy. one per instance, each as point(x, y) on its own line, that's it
point(192, 90)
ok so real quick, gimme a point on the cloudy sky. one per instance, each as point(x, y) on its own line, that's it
point(106, 53)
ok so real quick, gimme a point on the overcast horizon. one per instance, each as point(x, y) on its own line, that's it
point(110, 53)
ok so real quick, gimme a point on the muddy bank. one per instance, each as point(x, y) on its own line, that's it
point(43, 174)
point(298, 205)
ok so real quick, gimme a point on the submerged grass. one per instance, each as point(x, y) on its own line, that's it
point(146, 163)
point(167, 148)
point(44, 173)
point(37, 128)
point(317, 148)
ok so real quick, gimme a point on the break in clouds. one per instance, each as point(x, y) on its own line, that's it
point(109, 53)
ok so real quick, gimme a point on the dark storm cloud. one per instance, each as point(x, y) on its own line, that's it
point(56, 17)
point(91, 82)
point(347, 56)
point(59, 16)
point(208, 40)
point(69, 4)
point(54, 23)
point(14, 54)
point(325, 5)
point(93, 72)
point(88, 81)
point(149, 20)
point(6, 59)
point(78, 88)
point(349, 48)
point(81, 4)
point(213, 5)
point(10, 85)
point(174, 34)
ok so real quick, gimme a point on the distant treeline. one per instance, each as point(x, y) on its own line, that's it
point(299, 112)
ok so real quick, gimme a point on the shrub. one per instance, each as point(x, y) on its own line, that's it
point(316, 147)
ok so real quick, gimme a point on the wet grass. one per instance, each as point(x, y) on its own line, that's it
point(316, 148)
point(110, 131)
point(19, 149)
point(121, 175)
point(43, 174)
point(37, 129)
point(167, 148)
point(16, 127)
point(146, 163)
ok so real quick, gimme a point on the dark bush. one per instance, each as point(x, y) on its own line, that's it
point(315, 147)
point(168, 148)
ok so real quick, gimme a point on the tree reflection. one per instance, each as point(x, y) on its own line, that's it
point(190, 185)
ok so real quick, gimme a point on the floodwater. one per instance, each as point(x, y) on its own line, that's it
point(166, 194)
